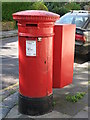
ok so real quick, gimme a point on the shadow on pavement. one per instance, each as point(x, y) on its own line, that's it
point(81, 58)
point(9, 70)
point(9, 40)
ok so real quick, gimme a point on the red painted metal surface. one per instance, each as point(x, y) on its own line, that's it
point(42, 29)
point(36, 72)
point(64, 42)
point(36, 15)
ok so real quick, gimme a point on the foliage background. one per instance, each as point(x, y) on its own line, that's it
point(8, 8)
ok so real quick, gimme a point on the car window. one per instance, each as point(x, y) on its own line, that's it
point(80, 20)
point(65, 20)
point(73, 19)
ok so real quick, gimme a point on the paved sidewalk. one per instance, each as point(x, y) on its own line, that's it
point(6, 34)
point(62, 108)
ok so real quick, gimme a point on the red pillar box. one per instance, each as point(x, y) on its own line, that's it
point(35, 35)
point(64, 42)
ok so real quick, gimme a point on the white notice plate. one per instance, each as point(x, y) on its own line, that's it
point(30, 48)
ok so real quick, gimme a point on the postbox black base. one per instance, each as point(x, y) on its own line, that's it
point(35, 106)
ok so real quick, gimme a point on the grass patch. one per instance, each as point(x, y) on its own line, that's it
point(16, 103)
point(75, 98)
point(89, 82)
point(12, 92)
point(11, 87)
point(54, 103)
point(4, 106)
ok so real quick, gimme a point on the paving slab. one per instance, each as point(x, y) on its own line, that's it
point(65, 107)
point(8, 104)
point(82, 114)
point(13, 113)
point(62, 109)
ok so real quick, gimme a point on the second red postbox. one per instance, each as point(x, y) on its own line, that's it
point(35, 35)
point(64, 45)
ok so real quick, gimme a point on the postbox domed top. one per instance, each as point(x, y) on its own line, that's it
point(36, 15)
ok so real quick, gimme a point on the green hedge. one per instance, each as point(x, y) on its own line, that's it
point(73, 6)
point(39, 6)
point(62, 7)
point(8, 8)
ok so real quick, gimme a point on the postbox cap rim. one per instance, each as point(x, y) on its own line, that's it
point(36, 14)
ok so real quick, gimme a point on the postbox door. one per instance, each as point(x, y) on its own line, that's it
point(36, 66)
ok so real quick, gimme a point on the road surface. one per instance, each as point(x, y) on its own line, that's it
point(9, 64)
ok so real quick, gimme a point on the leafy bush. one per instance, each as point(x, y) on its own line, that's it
point(62, 7)
point(8, 8)
point(56, 7)
point(39, 6)
point(76, 97)
point(72, 6)
point(9, 25)
point(63, 11)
